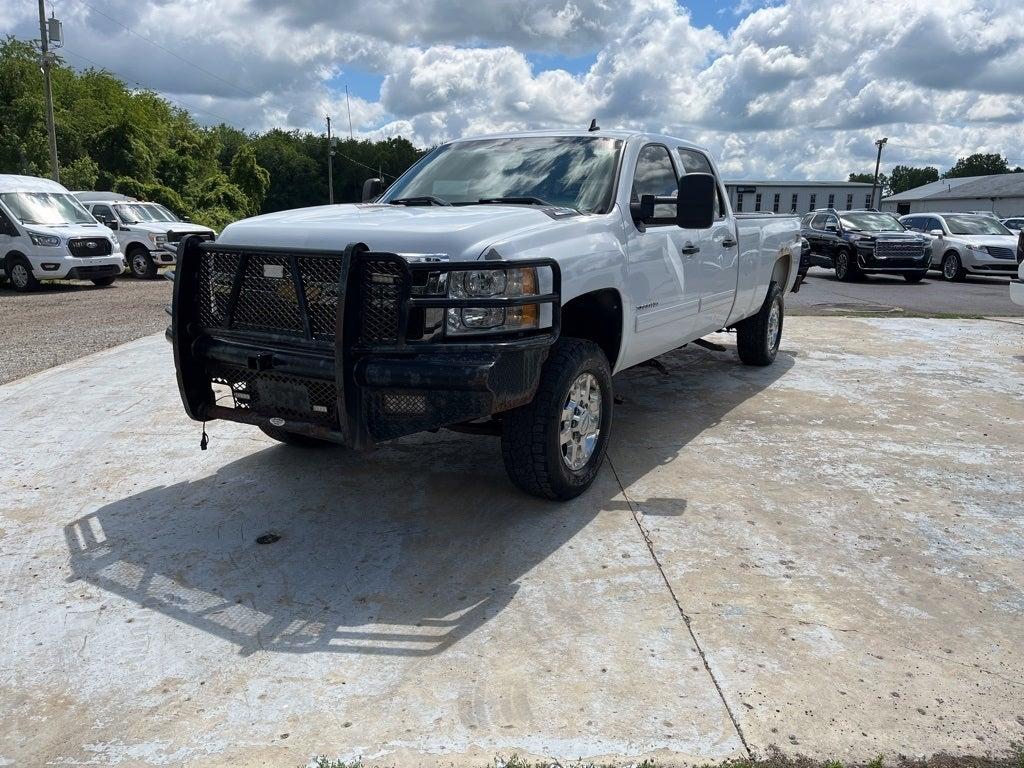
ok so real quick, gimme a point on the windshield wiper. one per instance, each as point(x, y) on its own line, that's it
point(512, 200)
point(420, 200)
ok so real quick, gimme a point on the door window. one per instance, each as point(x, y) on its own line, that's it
point(655, 175)
point(102, 212)
point(818, 222)
point(693, 161)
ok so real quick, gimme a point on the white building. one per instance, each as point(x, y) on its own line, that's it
point(752, 195)
point(1002, 194)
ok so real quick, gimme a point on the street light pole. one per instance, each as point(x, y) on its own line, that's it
point(874, 185)
point(44, 39)
point(330, 163)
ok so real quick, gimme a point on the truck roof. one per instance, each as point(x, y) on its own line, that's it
point(104, 197)
point(622, 134)
point(10, 182)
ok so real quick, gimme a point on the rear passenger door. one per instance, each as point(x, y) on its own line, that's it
point(664, 275)
point(719, 251)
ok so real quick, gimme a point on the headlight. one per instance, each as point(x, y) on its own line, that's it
point(157, 239)
point(115, 241)
point(488, 284)
point(977, 248)
point(38, 238)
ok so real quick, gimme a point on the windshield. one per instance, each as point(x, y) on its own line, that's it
point(133, 213)
point(167, 213)
point(46, 208)
point(872, 222)
point(975, 225)
point(158, 212)
point(573, 171)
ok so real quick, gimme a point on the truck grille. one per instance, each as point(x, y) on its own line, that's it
point(381, 284)
point(998, 252)
point(268, 300)
point(899, 249)
point(84, 247)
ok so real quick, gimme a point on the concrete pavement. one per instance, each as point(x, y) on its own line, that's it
point(824, 555)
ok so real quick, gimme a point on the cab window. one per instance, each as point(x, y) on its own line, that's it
point(655, 175)
point(693, 161)
point(103, 212)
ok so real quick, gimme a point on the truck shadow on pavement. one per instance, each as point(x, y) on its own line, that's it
point(403, 551)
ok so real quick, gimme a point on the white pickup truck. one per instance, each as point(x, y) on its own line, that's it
point(495, 287)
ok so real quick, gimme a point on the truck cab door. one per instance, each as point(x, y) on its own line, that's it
point(719, 252)
point(664, 273)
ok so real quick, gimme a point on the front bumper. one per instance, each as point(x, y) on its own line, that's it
point(71, 268)
point(1017, 292)
point(985, 264)
point(338, 345)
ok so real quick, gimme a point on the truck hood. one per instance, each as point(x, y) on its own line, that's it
point(163, 227)
point(455, 233)
point(70, 230)
point(1002, 241)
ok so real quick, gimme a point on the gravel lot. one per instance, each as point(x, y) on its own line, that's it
point(67, 320)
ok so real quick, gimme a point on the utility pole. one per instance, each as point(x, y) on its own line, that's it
point(44, 38)
point(330, 163)
point(874, 185)
point(349, 107)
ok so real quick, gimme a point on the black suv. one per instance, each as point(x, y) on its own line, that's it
point(856, 243)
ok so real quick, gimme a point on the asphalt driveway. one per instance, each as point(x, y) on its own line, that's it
point(823, 556)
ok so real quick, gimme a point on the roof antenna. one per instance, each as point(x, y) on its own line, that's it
point(593, 125)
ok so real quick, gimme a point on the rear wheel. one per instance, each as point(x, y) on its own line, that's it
point(141, 263)
point(294, 438)
point(20, 273)
point(553, 447)
point(758, 337)
point(915, 277)
point(952, 269)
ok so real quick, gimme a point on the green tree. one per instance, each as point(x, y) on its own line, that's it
point(250, 177)
point(906, 177)
point(978, 164)
point(869, 178)
point(80, 174)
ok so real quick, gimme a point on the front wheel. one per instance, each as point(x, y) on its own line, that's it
point(19, 271)
point(553, 446)
point(758, 337)
point(846, 269)
point(952, 269)
point(142, 264)
point(915, 277)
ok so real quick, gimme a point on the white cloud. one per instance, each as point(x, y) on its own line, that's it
point(795, 89)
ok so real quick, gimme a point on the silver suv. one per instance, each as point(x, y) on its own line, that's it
point(966, 243)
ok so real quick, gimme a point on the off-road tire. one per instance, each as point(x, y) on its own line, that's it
point(955, 272)
point(21, 281)
point(846, 267)
point(294, 439)
point(752, 335)
point(141, 263)
point(915, 277)
point(102, 282)
point(530, 445)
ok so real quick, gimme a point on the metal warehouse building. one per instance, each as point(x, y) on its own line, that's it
point(1003, 194)
point(751, 195)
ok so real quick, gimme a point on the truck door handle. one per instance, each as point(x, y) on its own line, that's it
point(728, 242)
point(689, 249)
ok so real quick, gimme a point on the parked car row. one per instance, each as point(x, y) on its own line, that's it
point(863, 242)
point(49, 233)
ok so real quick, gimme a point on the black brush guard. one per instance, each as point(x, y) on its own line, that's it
point(347, 346)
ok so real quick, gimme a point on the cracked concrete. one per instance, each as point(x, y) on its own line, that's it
point(824, 555)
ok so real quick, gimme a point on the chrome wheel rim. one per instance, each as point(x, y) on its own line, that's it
point(949, 267)
point(774, 326)
point(580, 421)
point(139, 265)
point(19, 275)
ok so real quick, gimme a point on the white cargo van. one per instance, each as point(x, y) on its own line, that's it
point(46, 234)
point(149, 232)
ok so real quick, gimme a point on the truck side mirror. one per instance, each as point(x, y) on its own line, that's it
point(372, 189)
point(935, 232)
point(695, 201)
point(110, 224)
point(831, 227)
point(643, 211)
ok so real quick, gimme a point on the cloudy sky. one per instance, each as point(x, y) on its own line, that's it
point(785, 90)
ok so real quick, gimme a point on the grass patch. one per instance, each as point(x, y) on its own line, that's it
point(774, 759)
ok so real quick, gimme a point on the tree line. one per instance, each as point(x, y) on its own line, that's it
point(113, 138)
point(904, 177)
